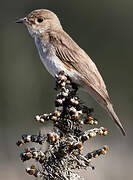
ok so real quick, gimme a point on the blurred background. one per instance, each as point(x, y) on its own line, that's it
point(104, 29)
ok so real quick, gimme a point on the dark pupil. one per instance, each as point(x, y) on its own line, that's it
point(40, 20)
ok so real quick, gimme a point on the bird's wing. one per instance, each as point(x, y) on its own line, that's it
point(74, 57)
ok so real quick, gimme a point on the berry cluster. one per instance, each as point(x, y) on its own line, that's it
point(66, 139)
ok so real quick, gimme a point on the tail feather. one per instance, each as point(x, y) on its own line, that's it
point(115, 118)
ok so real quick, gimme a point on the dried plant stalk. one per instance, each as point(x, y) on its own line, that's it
point(65, 141)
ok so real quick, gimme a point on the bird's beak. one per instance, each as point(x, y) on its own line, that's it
point(22, 20)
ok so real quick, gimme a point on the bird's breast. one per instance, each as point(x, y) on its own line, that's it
point(52, 63)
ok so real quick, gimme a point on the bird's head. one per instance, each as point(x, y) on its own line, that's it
point(41, 21)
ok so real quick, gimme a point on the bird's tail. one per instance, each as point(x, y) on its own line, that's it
point(115, 118)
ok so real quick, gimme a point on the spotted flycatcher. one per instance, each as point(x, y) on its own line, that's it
point(59, 52)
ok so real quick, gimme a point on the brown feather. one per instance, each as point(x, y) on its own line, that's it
point(75, 58)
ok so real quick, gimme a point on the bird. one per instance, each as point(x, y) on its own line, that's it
point(59, 52)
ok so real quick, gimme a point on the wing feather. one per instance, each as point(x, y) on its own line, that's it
point(75, 58)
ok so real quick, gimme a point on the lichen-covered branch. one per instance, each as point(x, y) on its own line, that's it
point(66, 139)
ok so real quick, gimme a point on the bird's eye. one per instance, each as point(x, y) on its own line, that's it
point(40, 20)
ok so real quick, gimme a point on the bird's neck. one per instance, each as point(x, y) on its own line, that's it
point(42, 39)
